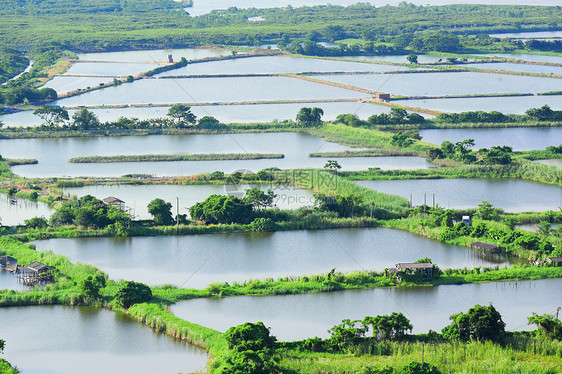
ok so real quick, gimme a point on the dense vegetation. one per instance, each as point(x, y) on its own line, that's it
point(151, 23)
point(12, 62)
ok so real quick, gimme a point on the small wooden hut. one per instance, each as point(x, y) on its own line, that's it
point(490, 248)
point(36, 272)
point(8, 263)
point(113, 201)
point(412, 268)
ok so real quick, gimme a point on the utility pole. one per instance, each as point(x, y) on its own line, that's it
point(433, 200)
point(177, 211)
point(557, 312)
point(424, 199)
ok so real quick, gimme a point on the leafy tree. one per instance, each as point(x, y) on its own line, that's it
point(161, 212)
point(85, 120)
point(209, 123)
point(486, 210)
point(345, 206)
point(221, 209)
point(249, 336)
point(36, 222)
point(544, 228)
point(2, 345)
point(419, 368)
point(259, 199)
point(250, 362)
point(307, 117)
point(347, 333)
point(262, 224)
point(52, 115)
point(498, 155)
point(547, 324)
point(479, 323)
point(412, 58)
point(332, 165)
point(397, 114)
point(182, 114)
point(401, 140)
point(91, 285)
point(543, 113)
point(132, 293)
point(388, 327)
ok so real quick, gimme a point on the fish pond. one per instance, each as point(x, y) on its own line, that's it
point(60, 339)
point(512, 195)
point(293, 317)
point(194, 261)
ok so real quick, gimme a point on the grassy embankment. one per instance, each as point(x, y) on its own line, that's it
point(175, 157)
point(156, 315)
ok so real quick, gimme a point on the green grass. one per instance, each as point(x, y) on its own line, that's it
point(472, 357)
point(6, 368)
point(361, 137)
point(175, 157)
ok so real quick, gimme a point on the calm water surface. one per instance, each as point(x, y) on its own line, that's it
point(276, 64)
point(54, 153)
point(294, 317)
point(59, 339)
point(519, 67)
point(539, 58)
point(224, 113)
point(436, 84)
point(137, 197)
point(197, 260)
point(508, 105)
point(154, 55)
point(536, 34)
point(164, 91)
point(63, 84)
point(556, 163)
point(9, 281)
point(16, 213)
point(110, 68)
point(520, 138)
point(512, 195)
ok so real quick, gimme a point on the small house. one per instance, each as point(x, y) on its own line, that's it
point(466, 220)
point(382, 96)
point(555, 261)
point(413, 268)
point(36, 272)
point(170, 59)
point(113, 201)
point(491, 248)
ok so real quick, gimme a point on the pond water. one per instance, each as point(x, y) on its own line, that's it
point(513, 195)
point(224, 113)
point(437, 84)
point(63, 84)
point(137, 197)
point(422, 59)
point(9, 281)
point(539, 58)
point(12, 214)
point(528, 35)
point(192, 90)
point(293, 317)
point(518, 67)
point(555, 162)
point(534, 227)
point(110, 68)
point(205, 6)
point(154, 55)
point(276, 64)
point(194, 261)
point(508, 105)
point(58, 340)
point(54, 153)
point(519, 138)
